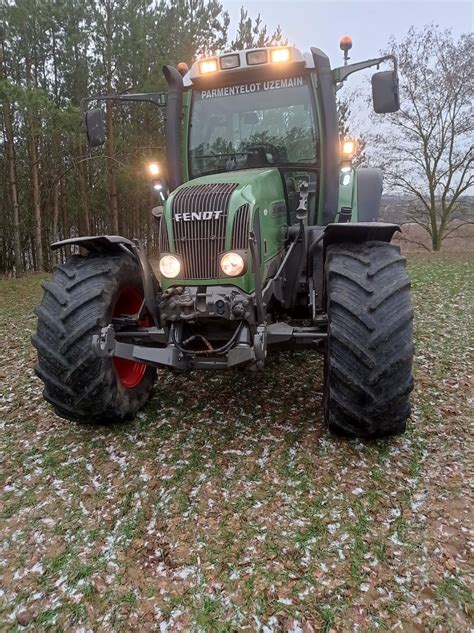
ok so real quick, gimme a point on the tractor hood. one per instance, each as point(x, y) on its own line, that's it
point(211, 215)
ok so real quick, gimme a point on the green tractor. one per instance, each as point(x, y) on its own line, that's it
point(268, 239)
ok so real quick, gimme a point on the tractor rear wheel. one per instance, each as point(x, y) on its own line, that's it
point(83, 296)
point(368, 367)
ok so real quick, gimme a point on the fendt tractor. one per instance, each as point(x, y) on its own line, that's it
point(268, 237)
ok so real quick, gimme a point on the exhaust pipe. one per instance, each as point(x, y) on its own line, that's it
point(173, 125)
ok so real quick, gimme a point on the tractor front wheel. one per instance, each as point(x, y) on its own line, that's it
point(83, 296)
point(368, 366)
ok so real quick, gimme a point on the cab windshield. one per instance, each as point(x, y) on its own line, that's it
point(259, 124)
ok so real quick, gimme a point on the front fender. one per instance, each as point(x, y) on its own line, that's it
point(114, 244)
point(337, 233)
point(97, 243)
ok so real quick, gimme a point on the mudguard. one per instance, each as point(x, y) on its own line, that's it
point(359, 232)
point(351, 232)
point(369, 194)
point(320, 238)
point(96, 243)
point(112, 245)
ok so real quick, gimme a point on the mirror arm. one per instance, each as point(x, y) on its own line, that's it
point(342, 73)
point(156, 98)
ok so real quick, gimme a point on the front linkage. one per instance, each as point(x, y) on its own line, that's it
point(164, 343)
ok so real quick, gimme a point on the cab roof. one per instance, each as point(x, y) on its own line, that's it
point(237, 62)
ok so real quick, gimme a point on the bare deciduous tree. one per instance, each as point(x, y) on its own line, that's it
point(428, 150)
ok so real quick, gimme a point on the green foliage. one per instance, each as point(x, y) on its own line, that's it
point(254, 34)
point(52, 55)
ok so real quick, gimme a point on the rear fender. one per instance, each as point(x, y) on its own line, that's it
point(360, 195)
point(112, 245)
point(369, 194)
point(353, 232)
point(359, 232)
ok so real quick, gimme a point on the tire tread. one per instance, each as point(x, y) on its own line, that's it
point(77, 301)
point(370, 350)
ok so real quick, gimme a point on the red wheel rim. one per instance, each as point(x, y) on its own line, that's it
point(129, 372)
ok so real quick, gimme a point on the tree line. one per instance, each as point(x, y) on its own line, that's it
point(52, 55)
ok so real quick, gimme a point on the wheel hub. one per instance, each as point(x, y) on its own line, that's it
point(129, 372)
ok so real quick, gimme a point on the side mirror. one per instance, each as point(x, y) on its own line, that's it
point(385, 95)
point(95, 127)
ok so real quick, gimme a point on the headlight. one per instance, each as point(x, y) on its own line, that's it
point(170, 266)
point(232, 264)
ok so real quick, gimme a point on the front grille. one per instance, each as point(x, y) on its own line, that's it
point(240, 230)
point(198, 241)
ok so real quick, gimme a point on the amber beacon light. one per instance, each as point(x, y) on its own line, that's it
point(345, 44)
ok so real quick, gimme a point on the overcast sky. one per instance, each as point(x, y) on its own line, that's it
point(370, 23)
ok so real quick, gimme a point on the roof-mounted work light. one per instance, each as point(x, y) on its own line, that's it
point(257, 57)
point(229, 61)
point(208, 66)
point(279, 55)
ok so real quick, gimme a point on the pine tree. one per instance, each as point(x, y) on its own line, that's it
point(53, 55)
point(254, 34)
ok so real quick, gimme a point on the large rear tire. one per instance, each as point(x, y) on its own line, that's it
point(368, 368)
point(83, 296)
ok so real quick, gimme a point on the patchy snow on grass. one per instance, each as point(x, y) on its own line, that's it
point(226, 503)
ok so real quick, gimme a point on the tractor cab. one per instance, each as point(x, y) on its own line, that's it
point(255, 110)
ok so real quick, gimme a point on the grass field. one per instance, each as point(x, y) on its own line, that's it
point(227, 505)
